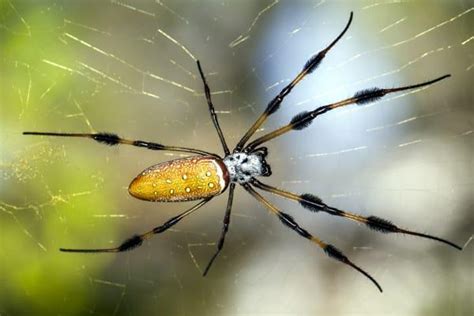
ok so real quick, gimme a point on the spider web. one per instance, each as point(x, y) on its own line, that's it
point(129, 67)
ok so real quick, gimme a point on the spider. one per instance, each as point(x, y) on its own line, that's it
point(206, 175)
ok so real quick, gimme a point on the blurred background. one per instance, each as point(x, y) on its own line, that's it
point(129, 67)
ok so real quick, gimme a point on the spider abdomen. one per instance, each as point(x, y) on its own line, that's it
point(178, 180)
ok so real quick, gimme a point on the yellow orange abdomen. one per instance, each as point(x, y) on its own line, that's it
point(183, 179)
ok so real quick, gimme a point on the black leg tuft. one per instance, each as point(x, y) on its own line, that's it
point(106, 138)
point(289, 221)
point(311, 202)
point(314, 62)
point(335, 253)
point(369, 95)
point(286, 219)
point(274, 104)
point(301, 121)
point(381, 225)
point(131, 243)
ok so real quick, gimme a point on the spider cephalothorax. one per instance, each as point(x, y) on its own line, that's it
point(206, 175)
point(242, 166)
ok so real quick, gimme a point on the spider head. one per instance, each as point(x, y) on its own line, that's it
point(242, 166)
point(262, 153)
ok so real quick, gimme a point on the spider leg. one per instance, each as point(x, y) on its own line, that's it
point(315, 204)
point(212, 111)
point(287, 220)
point(225, 228)
point(137, 240)
point(304, 119)
point(113, 139)
point(275, 103)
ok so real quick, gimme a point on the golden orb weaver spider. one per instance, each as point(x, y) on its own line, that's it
point(206, 175)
